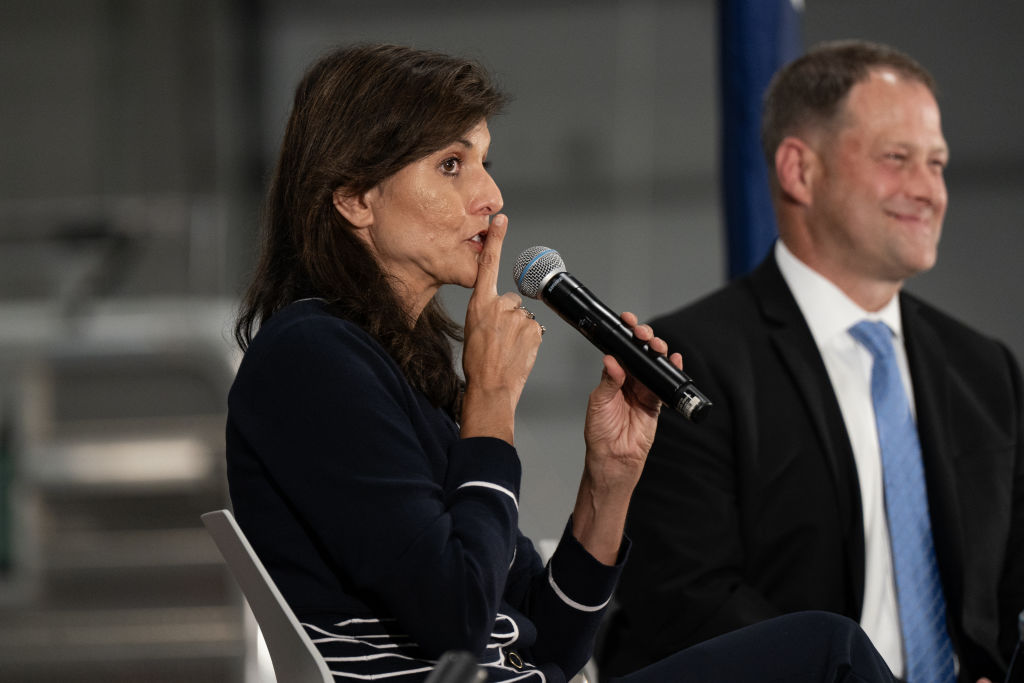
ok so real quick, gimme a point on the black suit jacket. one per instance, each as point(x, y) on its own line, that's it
point(756, 511)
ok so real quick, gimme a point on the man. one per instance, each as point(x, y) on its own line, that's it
point(784, 499)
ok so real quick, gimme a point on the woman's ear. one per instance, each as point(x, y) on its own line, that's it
point(356, 208)
point(795, 169)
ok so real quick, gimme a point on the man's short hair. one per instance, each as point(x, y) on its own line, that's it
point(808, 91)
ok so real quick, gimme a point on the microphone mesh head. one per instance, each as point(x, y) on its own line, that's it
point(534, 267)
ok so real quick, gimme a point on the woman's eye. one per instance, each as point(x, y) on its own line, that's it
point(450, 166)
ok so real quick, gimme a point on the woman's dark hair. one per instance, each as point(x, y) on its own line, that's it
point(809, 90)
point(360, 115)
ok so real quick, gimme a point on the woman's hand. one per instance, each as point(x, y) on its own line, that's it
point(501, 346)
point(622, 416)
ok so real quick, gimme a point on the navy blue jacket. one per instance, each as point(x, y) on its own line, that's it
point(393, 539)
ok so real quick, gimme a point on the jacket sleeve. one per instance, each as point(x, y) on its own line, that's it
point(566, 600)
point(420, 525)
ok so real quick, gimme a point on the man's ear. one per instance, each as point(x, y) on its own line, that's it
point(796, 169)
point(356, 208)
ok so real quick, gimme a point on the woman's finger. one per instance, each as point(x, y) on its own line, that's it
point(490, 257)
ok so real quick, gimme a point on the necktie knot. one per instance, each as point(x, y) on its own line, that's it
point(875, 336)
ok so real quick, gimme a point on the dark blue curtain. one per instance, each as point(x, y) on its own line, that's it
point(756, 37)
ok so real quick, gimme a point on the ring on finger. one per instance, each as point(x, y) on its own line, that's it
point(528, 312)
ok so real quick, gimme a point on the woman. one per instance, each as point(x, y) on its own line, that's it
point(379, 489)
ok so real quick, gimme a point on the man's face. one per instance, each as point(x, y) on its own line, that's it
point(877, 208)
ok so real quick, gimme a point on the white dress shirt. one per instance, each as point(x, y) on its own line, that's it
point(830, 314)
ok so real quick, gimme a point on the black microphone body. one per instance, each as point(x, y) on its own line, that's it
point(576, 305)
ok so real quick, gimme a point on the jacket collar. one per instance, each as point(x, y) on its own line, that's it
point(795, 346)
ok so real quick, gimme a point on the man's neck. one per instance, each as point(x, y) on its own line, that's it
point(869, 293)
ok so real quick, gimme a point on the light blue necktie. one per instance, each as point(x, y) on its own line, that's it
point(929, 653)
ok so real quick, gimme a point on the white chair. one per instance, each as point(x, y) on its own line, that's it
point(295, 658)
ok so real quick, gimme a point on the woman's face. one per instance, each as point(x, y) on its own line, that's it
point(429, 220)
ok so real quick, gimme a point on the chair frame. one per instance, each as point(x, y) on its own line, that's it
point(295, 657)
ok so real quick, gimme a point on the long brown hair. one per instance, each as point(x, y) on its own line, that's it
point(360, 115)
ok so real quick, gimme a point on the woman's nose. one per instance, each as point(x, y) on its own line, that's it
point(487, 198)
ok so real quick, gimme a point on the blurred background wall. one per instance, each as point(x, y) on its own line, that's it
point(137, 136)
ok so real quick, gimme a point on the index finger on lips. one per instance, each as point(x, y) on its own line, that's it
point(487, 271)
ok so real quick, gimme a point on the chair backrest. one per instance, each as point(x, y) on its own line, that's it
point(295, 658)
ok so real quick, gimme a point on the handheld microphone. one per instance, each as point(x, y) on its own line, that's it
point(540, 274)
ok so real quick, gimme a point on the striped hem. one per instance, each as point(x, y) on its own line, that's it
point(363, 650)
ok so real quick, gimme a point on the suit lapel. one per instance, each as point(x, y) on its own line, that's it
point(799, 354)
point(926, 357)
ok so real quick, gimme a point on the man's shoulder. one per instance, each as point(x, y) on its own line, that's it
point(952, 332)
point(733, 302)
point(724, 321)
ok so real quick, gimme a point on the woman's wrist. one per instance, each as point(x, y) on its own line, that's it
point(599, 518)
point(487, 413)
point(611, 477)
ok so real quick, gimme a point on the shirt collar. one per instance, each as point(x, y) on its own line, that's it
point(827, 310)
